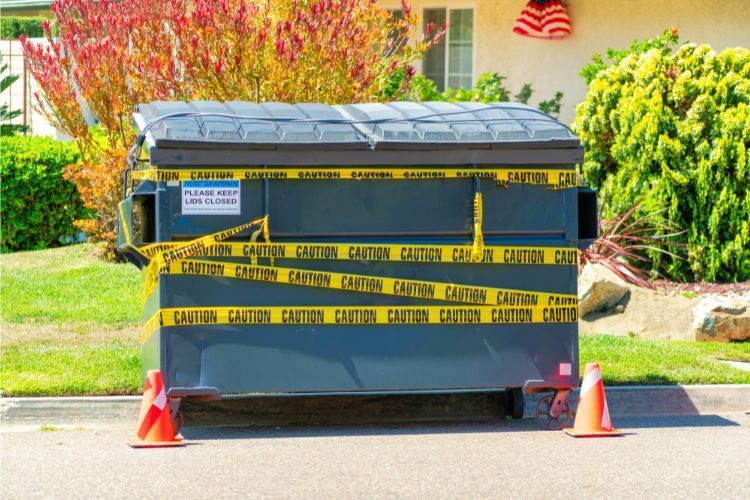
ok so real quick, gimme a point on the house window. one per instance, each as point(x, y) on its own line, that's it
point(450, 62)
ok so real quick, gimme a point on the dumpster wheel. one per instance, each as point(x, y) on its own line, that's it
point(177, 422)
point(174, 410)
point(553, 420)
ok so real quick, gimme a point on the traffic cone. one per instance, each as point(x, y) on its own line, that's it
point(155, 422)
point(592, 418)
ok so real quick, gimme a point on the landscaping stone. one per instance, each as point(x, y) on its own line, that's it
point(648, 315)
point(722, 318)
point(599, 289)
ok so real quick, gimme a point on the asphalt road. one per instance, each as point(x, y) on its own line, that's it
point(690, 457)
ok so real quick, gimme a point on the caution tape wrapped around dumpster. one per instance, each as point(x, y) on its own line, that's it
point(482, 304)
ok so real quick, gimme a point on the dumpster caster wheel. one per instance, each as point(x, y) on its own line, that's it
point(177, 422)
point(549, 419)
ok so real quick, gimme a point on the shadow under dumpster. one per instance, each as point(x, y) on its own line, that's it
point(631, 426)
point(342, 410)
point(630, 407)
point(349, 430)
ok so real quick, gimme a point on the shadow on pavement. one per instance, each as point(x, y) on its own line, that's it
point(326, 410)
point(674, 421)
point(313, 431)
point(352, 415)
point(316, 416)
point(436, 428)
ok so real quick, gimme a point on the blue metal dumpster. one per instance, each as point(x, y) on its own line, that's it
point(464, 197)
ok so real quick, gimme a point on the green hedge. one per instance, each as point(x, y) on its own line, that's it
point(38, 206)
point(673, 129)
point(14, 26)
point(489, 87)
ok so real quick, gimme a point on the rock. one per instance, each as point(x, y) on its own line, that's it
point(619, 308)
point(599, 289)
point(722, 318)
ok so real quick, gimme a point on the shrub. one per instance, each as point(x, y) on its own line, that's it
point(673, 129)
point(489, 87)
point(12, 27)
point(115, 55)
point(622, 240)
point(38, 205)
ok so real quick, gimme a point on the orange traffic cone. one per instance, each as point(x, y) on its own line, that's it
point(155, 422)
point(592, 418)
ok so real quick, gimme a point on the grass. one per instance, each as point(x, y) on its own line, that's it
point(72, 364)
point(630, 361)
point(68, 286)
point(70, 327)
point(69, 324)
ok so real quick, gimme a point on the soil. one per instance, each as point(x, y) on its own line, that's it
point(670, 287)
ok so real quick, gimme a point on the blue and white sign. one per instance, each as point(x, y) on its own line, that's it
point(211, 197)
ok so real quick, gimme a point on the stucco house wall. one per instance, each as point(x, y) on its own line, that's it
point(597, 25)
point(548, 65)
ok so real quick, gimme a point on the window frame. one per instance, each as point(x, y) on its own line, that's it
point(448, 8)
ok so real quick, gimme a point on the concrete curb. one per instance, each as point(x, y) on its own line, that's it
point(665, 400)
point(122, 411)
point(96, 411)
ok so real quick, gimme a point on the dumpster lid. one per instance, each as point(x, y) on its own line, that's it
point(247, 125)
point(461, 125)
point(376, 126)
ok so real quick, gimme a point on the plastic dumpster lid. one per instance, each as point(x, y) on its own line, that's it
point(462, 125)
point(391, 126)
point(232, 125)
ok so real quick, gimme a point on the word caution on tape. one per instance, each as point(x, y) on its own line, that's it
point(455, 254)
point(481, 304)
point(556, 178)
point(453, 292)
point(356, 315)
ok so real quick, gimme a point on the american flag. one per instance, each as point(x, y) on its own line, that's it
point(543, 19)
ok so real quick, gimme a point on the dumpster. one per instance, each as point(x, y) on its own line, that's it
point(357, 249)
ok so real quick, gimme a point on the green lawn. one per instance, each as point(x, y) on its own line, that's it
point(626, 361)
point(70, 327)
point(68, 286)
point(69, 324)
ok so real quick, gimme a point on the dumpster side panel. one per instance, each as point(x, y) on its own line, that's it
point(429, 208)
point(273, 359)
point(153, 348)
point(331, 358)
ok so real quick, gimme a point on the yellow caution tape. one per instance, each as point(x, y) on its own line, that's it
point(392, 252)
point(477, 248)
point(164, 255)
point(431, 290)
point(162, 259)
point(355, 315)
point(127, 230)
point(516, 306)
point(557, 178)
point(266, 236)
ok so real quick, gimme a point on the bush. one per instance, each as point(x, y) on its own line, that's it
point(673, 129)
point(13, 26)
point(115, 55)
point(489, 87)
point(38, 206)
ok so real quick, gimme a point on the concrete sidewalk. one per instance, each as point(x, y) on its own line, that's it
point(122, 411)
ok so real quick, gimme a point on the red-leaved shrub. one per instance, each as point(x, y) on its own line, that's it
point(112, 55)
